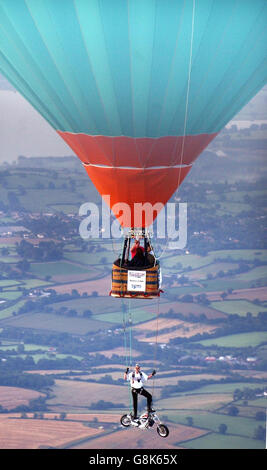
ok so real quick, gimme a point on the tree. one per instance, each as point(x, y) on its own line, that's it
point(260, 433)
point(20, 348)
point(222, 428)
point(233, 410)
point(187, 298)
point(23, 265)
point(63, 415)
point(87, 313)
point(189, 420)
point(260, 416)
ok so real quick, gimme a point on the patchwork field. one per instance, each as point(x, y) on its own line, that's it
point(236, 425)
point(219, 441)
point(60, 271)
point(214, 269)
point(196, 261)
point(8, 311)
point(118, 351)
point(10, 397)
point(182, 329)
point(50, 322)
point(238, 307)
point(187, 309)
point(102, 287)
point(161, 379)
point(196, 401)
point(18, 433)
point(241, 340)
point(95, 259)
point(74, 394)
point(134, 439)
point(248, 294)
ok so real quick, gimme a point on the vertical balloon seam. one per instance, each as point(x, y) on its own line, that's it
point(21, 79)
point(57, 68)
point(211, 66)
point(187, 92)
point(72, 95)
point(239, 73)
point(205, 110)
point(92, 69)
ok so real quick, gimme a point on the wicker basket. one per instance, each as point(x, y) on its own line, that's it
point(121, 281)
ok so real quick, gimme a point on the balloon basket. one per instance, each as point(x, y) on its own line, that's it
point(135, 282)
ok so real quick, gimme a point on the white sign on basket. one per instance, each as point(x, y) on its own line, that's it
point(136, 281)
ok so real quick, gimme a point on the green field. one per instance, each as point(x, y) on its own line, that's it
point(7, 312)
point(37, 200)
point(257, 273)
point(57, 323)
point(77, 395)
point(240, 426)
point(196, 261)
point(9, 259)
point(219, 441)
point(239, 307)
point(57, 268)
point(195, 401)
point(219, 284)
point(9, 283)
point(137, 315)
point(26, 347)
point(242, 340)
point(241, 255)
point(10, 295)
point(214, 269)
point(32, 283)
point(228, 387)
point(66, 208)
point(97, 305)
point(262, 401)
point(38, 357)
point(107, 257)
point(233, 208)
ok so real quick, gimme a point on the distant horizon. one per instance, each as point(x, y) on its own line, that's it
point(23, 131)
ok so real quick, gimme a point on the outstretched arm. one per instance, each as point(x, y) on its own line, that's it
point(152, 374)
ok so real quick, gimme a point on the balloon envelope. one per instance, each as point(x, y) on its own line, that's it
point(137, 89)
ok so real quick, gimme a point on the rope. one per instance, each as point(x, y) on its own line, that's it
point(188, 85)
point(156, 345)
point(128, 357)
point(130, 332)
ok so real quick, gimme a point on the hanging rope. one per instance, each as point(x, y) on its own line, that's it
point(156, 344)
point(188, 87)
point(130, 322)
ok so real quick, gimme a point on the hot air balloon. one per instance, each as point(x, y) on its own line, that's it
point(137, 89)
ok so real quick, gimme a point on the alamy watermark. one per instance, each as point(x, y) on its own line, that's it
point(171, 220)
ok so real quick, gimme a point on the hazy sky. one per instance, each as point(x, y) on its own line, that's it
point(23, 131)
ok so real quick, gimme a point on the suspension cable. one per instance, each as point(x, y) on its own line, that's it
point(156, 344)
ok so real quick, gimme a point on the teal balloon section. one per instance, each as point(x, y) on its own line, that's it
point(137, 88)
point(121, 68)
